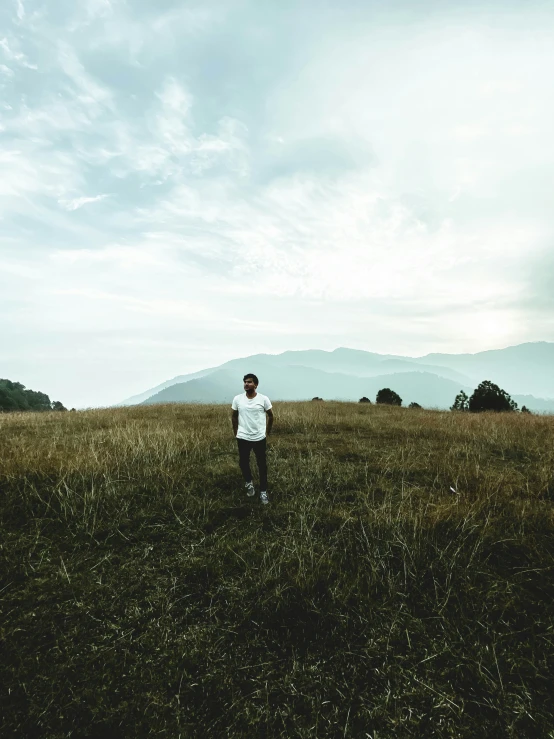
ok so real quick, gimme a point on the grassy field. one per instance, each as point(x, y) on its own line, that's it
point(143, 594)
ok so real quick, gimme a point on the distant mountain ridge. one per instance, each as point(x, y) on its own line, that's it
point(348, 374)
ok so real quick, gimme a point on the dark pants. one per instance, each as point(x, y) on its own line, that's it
point(259, 447)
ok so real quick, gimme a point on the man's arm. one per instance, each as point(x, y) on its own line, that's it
point(235, 422)
point(269, 422)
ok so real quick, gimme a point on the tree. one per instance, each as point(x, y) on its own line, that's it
point(16, 397)
point(58, 406)
point(364, 400)
point(524, 409)
point(316, 398)
point(387, 396)
point(7, 401)
point(489, 397)
point(38, 401)
point(461, 402)
point(414, 405)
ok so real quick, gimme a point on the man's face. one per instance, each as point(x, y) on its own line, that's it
point(249, 385)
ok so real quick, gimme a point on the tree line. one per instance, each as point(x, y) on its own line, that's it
point(16, 397)
point(486, 397)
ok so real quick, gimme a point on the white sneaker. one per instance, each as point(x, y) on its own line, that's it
point(263, 497)
point(249, 489)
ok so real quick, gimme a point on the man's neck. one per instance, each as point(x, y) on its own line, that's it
point(251, 395)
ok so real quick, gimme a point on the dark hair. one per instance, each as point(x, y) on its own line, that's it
point(251, 377)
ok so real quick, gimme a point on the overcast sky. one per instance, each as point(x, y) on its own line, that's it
point(183, 183)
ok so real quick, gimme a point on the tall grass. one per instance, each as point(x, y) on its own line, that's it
point(399, 584)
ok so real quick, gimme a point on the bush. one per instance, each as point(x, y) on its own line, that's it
point(489, 397)
point(461, 402)
point(387, 396)
point(16, 397)
point(364, 400)
point(414, 405)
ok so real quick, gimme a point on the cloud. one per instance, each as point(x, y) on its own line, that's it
point(172, 121)
point(92, 96)
point(12, 53)
point(340, 241)
point(115, 255)
point(21, 177)
point(328, 155)
point(76, 203)
point(99, 8)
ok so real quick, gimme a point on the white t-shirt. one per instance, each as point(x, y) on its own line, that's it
point(251, 415)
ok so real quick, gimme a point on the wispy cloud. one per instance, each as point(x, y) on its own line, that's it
point(76, 203)
point(12, 53)
point(92, 95)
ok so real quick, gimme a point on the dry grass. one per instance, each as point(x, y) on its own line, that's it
point(144, 595)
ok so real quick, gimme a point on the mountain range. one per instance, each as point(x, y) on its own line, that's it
point(433, 381)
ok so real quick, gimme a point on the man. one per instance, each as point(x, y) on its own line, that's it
point(252, 421)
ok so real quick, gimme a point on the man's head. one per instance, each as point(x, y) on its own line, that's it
point(250, 382)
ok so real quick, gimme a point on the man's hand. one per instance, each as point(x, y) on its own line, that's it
point(235, 422)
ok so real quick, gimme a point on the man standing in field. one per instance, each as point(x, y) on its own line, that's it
point(252, 421)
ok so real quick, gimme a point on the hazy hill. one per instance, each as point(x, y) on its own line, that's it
point(526, 368)
point(525, 371)
point(137, 399)
point(344, 361)
point(299, 383)
point(354, 362)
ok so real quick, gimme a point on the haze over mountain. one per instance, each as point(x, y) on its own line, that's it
point(524, 371)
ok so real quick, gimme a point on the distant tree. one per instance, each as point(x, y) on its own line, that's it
point(58, 406)
point(489, 397)
point(16, 397)
point(316, 398)
point(364, 400)
point(524, 409)
point(414, 405)
point(461, 402)
point(7, 401)
point(387, 396)
point(38, 401)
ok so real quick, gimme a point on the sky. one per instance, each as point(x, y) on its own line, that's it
point(184, 183)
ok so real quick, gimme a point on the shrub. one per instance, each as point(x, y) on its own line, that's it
point(364, 400)
point(388, 397)
point(461, 402)
point(489, 397)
